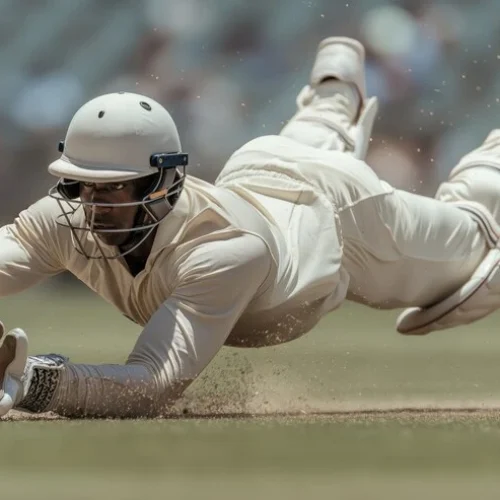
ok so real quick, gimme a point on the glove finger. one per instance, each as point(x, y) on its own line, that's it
point(7, 355)
point(6, 401)
point(13, 357)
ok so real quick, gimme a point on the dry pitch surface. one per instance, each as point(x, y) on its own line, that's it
point(424, 415)
point(376, 454)
point(352, 410)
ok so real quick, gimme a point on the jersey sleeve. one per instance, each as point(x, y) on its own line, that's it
point(212, 285)
point(29, 251)
point(215, 285)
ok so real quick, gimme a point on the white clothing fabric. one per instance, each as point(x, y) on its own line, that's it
point(288, 232)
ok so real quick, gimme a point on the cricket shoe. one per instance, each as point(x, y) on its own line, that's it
point(28, 383)
point(336, 98)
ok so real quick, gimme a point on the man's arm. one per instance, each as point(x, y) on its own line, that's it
point(28, 249)
point(214, 285)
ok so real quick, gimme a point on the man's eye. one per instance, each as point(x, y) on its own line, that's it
point(116, 186)
point(109, 186)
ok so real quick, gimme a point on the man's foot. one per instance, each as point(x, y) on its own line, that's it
point(340, 60)
point(333, 111)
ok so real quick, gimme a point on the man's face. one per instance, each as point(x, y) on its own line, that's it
point(108, 218)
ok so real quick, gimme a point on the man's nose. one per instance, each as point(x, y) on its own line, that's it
point(100, 210)
point(97, 197)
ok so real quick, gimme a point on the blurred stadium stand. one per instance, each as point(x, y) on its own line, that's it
point(229, 70)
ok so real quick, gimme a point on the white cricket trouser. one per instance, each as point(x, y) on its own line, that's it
point(402, 249)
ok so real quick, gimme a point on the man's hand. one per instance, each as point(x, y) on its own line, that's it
point(13, 358)
point(27, 382)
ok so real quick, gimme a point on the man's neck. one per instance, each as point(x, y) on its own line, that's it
point(136, 259)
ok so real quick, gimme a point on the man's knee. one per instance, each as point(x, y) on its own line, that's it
point(476, 178)
point(479, 184)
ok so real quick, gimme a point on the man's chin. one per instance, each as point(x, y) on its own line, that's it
point(113, 240)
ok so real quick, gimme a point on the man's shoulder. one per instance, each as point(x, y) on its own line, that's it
point(39, 217)
point(42, 220)
point(45, 208)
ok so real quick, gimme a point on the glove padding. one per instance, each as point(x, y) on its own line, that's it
point(28, 383)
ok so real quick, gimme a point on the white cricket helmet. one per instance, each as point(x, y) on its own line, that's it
point(112, 139)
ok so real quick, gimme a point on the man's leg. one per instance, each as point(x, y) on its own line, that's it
point(474, 187)
point(333, 110)
point(400, 249)
point(474, 184)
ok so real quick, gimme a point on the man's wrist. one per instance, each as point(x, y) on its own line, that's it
point(43, 374)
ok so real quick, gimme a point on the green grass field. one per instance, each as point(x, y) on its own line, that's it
point(352, 410)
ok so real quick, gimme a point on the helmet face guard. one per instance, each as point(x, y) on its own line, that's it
point(154, 204)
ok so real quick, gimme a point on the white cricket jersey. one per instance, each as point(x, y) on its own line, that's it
point(228, 266)
point(289, 252)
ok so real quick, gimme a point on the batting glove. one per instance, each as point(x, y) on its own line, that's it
point(27, 382)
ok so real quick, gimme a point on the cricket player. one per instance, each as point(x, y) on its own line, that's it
point(295, 224)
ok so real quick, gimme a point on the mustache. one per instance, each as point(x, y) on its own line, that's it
point(102, 225)
point(99, 221)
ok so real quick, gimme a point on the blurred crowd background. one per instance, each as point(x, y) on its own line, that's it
point(229, 70)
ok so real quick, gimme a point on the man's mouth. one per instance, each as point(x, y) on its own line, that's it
point(100, 225)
